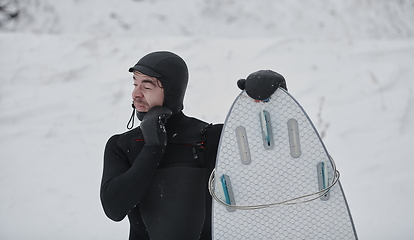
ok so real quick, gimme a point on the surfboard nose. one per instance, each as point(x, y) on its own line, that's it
point(262, 84)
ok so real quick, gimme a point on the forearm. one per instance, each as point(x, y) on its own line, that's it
point(122, 189)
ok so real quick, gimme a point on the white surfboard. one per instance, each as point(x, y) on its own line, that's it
point(274, 178)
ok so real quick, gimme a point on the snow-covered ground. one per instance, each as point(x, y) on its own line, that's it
point(65, 90)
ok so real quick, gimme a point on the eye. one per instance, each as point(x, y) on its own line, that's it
point(148, 86)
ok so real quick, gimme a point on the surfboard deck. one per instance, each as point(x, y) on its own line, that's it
point(270, 152)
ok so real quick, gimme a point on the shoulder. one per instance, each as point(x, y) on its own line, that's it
point(207, 129)
point(203, 126)
point(123, 139)
point(214, 129)
point(181, 128)
point(213, 132)
point(194, 122)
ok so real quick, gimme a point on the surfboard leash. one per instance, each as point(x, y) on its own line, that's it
point(292, 201)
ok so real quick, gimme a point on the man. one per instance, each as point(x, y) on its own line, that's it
point(157, 173)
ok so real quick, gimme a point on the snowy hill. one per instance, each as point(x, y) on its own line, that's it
point(65, 90)
point(216, 18)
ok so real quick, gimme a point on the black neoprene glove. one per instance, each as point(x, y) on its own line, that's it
point(153, 126)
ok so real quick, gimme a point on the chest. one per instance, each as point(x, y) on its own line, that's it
point(188, 153)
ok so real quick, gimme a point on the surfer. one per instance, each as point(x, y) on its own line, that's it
point(157, 173)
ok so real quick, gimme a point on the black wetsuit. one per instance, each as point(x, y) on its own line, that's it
point(164, 193)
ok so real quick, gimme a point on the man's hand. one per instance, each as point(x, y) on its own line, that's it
point(153, 126)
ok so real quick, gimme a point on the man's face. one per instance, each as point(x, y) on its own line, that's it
point(148, 92)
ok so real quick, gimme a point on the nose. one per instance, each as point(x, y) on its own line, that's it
point(137, 92)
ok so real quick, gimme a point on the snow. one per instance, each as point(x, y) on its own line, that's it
point(65, 89)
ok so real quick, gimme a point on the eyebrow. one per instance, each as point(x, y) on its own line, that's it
point(146, 81)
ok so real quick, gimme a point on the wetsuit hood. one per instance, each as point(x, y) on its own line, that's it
point(171, 70)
